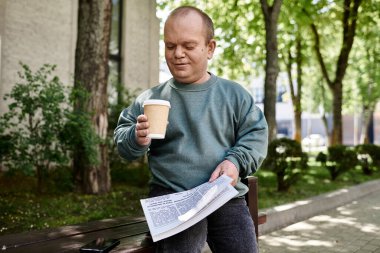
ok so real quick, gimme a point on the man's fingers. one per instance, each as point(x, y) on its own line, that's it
point(142, 133)
point(142, 130)
point(215, 174)
point(227, 168)
point(142, 126)
point(142, 118)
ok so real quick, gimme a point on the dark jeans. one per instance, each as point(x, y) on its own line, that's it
point(229, 229)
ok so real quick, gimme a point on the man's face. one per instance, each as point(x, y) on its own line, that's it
point(186, 49)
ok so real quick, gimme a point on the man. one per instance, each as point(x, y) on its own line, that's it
point(214, 128)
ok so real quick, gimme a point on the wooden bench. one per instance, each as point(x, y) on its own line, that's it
point(132, 233)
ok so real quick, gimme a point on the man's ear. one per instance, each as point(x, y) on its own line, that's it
point(211, 48)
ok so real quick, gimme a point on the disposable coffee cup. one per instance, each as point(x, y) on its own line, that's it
point(157, 112)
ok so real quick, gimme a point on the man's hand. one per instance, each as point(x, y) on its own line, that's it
point(228, 168)
point(142, 130)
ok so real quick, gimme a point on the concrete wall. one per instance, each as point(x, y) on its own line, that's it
point(140, 45)
point(376, 127)
point(36, 32)
point(2, 21)
point(44, 31)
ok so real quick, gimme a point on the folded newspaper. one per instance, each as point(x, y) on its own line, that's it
point(170, 214)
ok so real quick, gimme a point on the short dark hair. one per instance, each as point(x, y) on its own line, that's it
point(183, 10)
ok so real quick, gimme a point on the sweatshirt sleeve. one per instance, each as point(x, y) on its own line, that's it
point(251, 143)
point(124, 134)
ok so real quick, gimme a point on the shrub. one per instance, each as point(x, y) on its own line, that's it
point(368, 157)
point(136, 173)
point(34, 118)
point(6, 146)
point(60, 180)
point(286, 159)
point(78, 133)
point(131, 175)
point(322, 158)
point(35, 133)
point(339, 160)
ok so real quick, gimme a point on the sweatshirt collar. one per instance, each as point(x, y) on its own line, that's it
point(193, 87)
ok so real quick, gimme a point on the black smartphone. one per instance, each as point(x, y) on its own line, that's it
point(100, 245)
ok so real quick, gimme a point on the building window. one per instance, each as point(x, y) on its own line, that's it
point(114, 76)
point(258, 94)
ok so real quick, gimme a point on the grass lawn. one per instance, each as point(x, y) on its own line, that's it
point(24, 210)
point(314, 182)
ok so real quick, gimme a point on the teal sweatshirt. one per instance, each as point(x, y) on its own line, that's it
point(208, 123)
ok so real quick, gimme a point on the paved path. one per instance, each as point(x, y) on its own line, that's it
point(352, 228)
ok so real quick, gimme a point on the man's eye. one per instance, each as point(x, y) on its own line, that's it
point(170, 47)
point(190, 46)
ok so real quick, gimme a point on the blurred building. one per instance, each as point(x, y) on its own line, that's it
point(312, 125)
point(37, 32)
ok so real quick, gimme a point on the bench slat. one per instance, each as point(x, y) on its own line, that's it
point(70, 237)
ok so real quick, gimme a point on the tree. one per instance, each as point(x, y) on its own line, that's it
point(271, 14)
point(292, 44)
point(296, 88)
point(295, 54)
point(91, 72)
point(364, 70)
point(349, 20)
point(314, 94)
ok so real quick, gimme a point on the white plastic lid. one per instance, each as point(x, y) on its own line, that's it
point(156, 136)
point(156, 102)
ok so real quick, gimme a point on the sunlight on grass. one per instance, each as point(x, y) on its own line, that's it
point(314, 182)
point(25, 211)
point(265, 174)
point(309, 179)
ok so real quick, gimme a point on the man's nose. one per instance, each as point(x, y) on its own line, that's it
point(179, 52)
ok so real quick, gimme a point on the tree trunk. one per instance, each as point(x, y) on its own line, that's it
point(324, 115)
point(337, 131)
point(91, 72)
point(326, 127)
point(366, 118)
point(296, 96)
point(271, 14)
